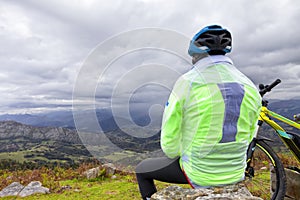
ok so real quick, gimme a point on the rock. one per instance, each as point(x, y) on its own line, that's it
point(113, 177)
point(110, 169)
point(12, 190)
point(263, 168)
point(64, 188)
point(229, 192)
point(33, 188)
point(293, 184)
point(92, 173)
point(17, 189)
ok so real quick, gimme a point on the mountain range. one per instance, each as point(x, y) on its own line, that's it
point(65, 119)
point(52, 137)
point(107, 120)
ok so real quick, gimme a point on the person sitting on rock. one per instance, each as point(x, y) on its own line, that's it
point(208, 121)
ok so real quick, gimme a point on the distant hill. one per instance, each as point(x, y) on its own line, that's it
point(12, 129)
point(65, 118)
point(45, 138)
point(287, 108)
point(53, 119)
point(62, 145)
point(40, 144)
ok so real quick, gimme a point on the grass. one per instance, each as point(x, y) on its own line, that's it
point(260, 184)
point(22, 150)
point(123, 187)
point(96, 189)
point(13, 156)
point(116, 156)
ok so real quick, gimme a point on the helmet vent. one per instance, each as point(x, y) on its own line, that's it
point(215, 39)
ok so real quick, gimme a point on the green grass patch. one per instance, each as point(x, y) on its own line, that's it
point(19, 156)
point(124, 187)
point(68, 184)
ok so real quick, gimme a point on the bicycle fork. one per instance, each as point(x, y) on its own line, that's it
point(249, 172)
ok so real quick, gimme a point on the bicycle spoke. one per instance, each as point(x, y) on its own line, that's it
point(265, 162)
point(259, 188)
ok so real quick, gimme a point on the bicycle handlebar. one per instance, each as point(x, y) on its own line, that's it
point(267, 88)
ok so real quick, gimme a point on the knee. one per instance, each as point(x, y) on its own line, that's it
point(145, 166)
point(140, 167)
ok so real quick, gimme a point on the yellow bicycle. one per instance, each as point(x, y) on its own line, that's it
point(261, 158)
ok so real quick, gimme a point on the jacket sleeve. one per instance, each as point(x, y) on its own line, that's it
point(172, 120)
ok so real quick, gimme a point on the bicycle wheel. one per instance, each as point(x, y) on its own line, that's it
point(265, 177)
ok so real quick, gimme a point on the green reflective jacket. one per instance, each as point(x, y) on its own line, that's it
point(209, 120)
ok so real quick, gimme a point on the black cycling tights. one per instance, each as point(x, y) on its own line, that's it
point(161, 169)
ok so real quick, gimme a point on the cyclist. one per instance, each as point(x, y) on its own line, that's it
point(208, 121)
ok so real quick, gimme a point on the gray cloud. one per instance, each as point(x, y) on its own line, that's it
point(43, 44)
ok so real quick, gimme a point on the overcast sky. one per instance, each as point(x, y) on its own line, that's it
point(44, 44)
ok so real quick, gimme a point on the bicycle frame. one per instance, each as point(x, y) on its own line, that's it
point(285, 136)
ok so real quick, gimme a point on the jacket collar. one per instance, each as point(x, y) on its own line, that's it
point(212, 60)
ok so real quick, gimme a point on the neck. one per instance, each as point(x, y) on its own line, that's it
point(198, 57)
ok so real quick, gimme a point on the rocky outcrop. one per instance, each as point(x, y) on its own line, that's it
point(33, 188)
point(107, 170)
point(17, 189)
point(230, 192)
point(110, 169)
point(293, 184)
point(12, 129)
point(92, 173)
point(12, 190)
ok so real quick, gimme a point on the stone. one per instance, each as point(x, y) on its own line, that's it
point(33, 188)
point(12, 190)
point(92, 173)
point(64, 188)
point(110, 169)
point(17, 189)
point(229, 192)
point(293, 184)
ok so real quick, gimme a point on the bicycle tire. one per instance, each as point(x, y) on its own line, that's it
point(265, 162)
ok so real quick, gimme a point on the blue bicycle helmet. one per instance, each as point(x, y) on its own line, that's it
point(212, 40)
